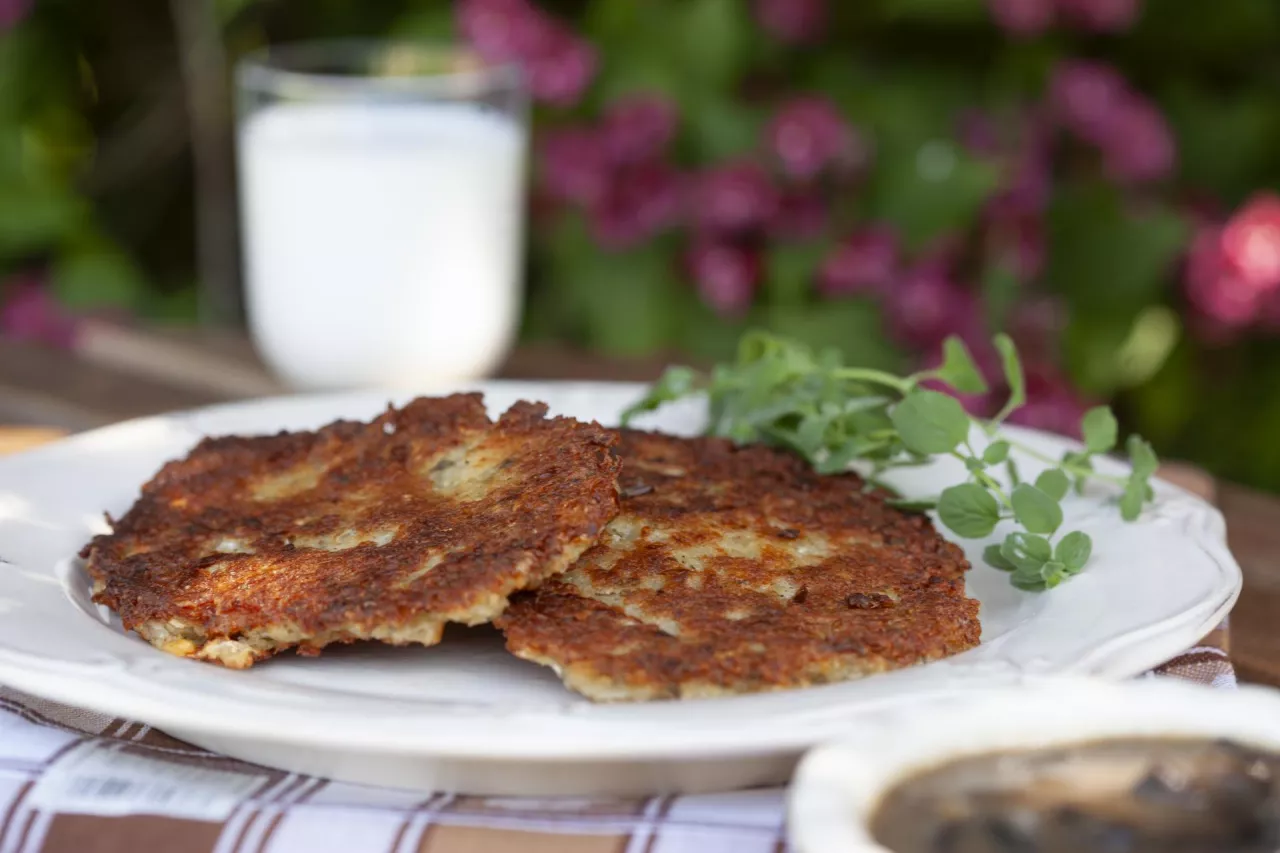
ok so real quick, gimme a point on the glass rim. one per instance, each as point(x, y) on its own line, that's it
point(282, 69)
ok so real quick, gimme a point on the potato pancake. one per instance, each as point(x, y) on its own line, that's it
point(430, 514)
point(739, 569)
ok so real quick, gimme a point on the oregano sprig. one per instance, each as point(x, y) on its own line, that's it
point(782, 393)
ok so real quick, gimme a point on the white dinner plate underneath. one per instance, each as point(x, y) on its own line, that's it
point(467, 716)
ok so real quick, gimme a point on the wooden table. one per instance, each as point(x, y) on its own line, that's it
point(116, 373)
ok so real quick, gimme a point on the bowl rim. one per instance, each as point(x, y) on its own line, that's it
point(838, 786)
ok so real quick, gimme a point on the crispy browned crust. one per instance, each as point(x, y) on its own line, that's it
point(739, 569)
point(431, 513)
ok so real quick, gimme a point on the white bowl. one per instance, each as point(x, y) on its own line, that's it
point(838, 787)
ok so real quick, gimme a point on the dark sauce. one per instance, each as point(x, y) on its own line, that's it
point(1117, 796)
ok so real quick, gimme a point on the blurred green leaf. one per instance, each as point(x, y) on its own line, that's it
point(1108, 261)
point(789, 272)
point(712, 37)
point(628, 299)
point(853, 327)
point(937, 11)
point(930, 189)
point(34, 218)
point(100, 278)
point(1000, 291)
point(1225, 139)
point(721, 128)
point(434, 21)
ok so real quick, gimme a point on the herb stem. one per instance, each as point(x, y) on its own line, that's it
point(877, 377)
point(1070, 467)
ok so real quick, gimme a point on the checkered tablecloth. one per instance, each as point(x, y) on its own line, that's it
point(72, 781)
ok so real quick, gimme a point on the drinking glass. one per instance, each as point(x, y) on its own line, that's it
point(382, 206)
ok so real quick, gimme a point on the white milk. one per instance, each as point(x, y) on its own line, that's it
point(383, 241)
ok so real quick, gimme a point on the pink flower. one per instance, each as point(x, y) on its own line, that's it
point(29, 313)
point(792, 21)
point(1251, 242)
point(506, 30)
point(12, 12)
point(1018, 242)
point(575, 165)
point(1214, 286)
point(1103, 16)
point(640, 202)
point(980, 134)
point(561, 74)
point(799, 216)
point(1139, 145)
point(726, 276)
point(558, 65)
point(735, 197)
point(639, 127)
point(1022, 18)
point(866, 262)
point(808, 134)
point(1087, 97)
point(925, 305)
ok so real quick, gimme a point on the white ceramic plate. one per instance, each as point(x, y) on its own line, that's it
point(465, 715)
point(839, 786)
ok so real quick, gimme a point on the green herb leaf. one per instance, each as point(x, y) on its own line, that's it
point(1026, 551)
point(1142, 457)
point(1135, 495)
point(974, 464)
point(1035, 510)
point(930, 422)
point(996, 560)
point(1053, 483)
point(996, 452)
point(676, 382)
point(1073, 550)
point(969, 510)
point(1053, 573)
point(1012, 468)
point(1100, 429)
point(1012, 375)
point(958, 369)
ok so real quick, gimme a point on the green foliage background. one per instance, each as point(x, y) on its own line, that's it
point(96, 175)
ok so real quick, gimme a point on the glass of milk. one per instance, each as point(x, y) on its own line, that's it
point(382, 207)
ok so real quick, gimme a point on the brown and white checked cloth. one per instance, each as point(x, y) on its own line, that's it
point(72, 781)
point(58, 763)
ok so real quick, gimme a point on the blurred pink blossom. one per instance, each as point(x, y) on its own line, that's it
point(575, 165)
point(28, 312)
point(1087, 97)
point(792, 21)
point(1251, 241)
point(736, 197)
point(505, 30)
point(808, 134)
point(639, 127)
point(866, 262)
point(979, 133)
point(726, 275)
point(12, 12)
point(562, 74)
point(1139, 144)
point(640, 202)
point(1213, 285)
point(925, 305)
point(1103, 16)
point(558, 65)
point(800, 215)
point(1022, 18)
